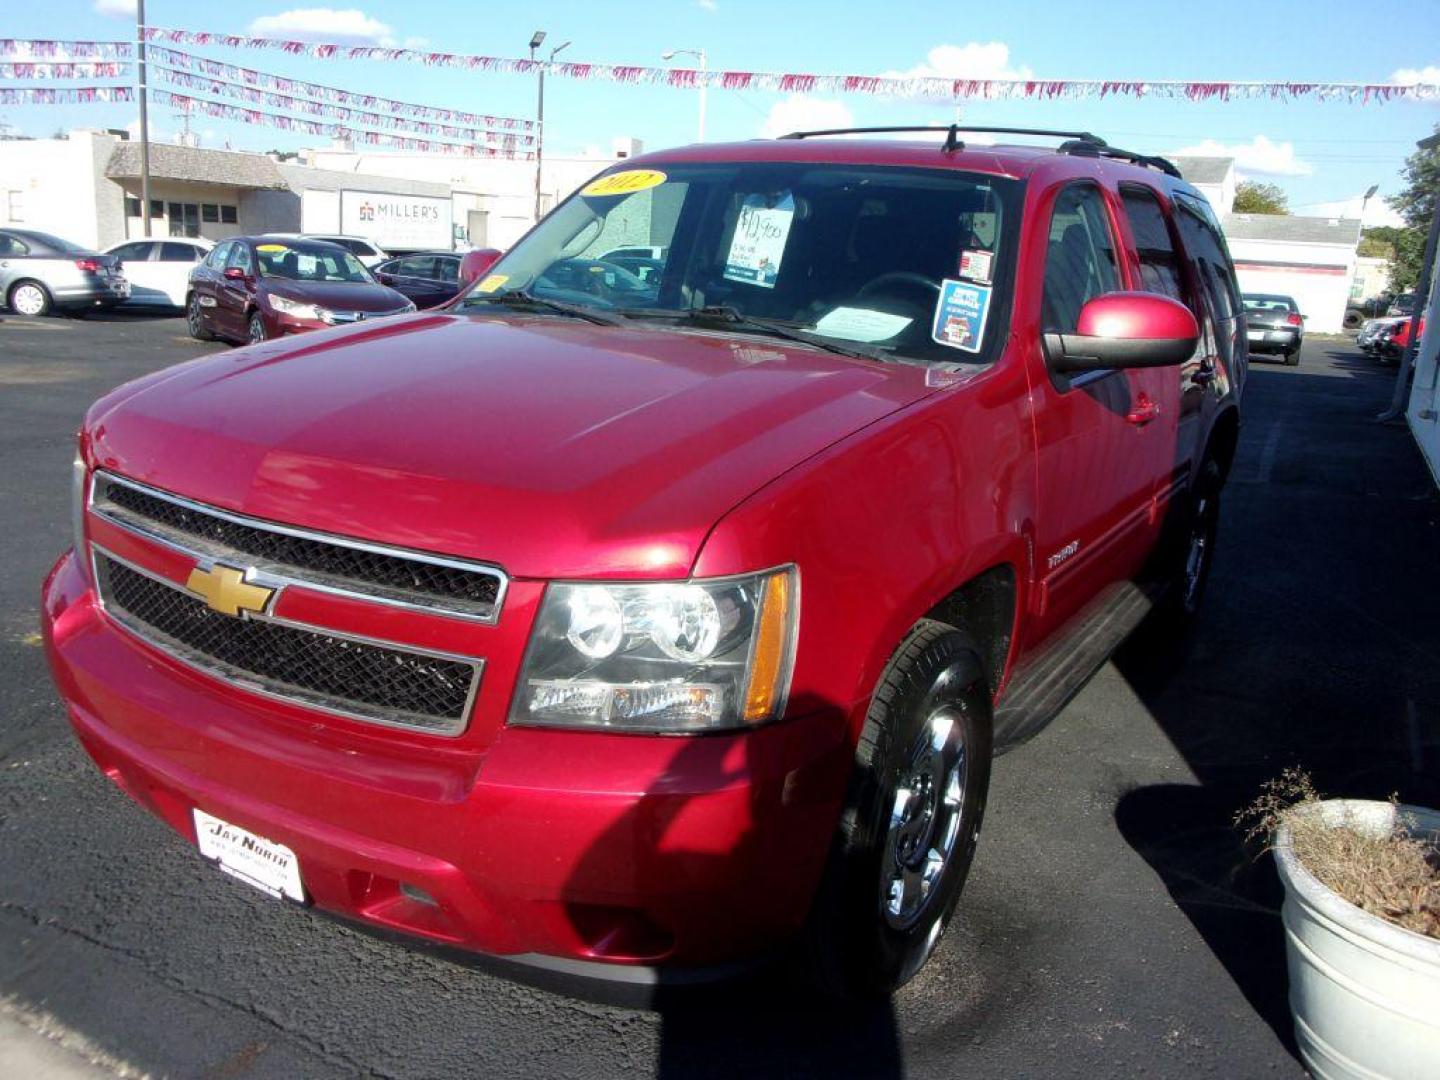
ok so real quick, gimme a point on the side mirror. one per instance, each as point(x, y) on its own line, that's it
point(1125, 330)
point(477, 263)
point(234, 273)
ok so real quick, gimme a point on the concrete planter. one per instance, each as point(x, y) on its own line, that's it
point(1364, 992)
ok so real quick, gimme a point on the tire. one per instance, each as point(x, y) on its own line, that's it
point(1354, 317)
point(255, 329)
point(1292, 358)
point(883, 905)
point(1194, 553)
point(195, 319)
point(29, 297)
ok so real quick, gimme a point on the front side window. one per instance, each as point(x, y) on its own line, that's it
point(12, 246)
point(910, 264)
point(240, 259)
point(309, 262)
point(219, 255)
point(1080, 261)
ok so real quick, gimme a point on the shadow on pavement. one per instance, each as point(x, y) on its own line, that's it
point(1318, 646)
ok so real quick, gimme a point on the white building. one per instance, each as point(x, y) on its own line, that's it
point(494, 198)
point(1311, 259)
point(86, 188)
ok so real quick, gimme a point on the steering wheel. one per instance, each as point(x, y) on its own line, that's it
point(898, 277)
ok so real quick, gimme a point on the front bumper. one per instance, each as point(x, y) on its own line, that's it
point(279, 324)
point(637, 851)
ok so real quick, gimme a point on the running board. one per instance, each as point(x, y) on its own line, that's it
point(1049, 679)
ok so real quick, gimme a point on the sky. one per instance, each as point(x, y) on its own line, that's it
point(1322, 154)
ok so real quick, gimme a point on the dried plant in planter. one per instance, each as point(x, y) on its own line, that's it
point(1396, 877)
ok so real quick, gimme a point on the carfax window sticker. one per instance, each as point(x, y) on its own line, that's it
point(960, 315)
point(758, 245)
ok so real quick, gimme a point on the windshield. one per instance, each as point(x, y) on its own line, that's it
point(1260, 304)
point(309, 262)
point(901, 262)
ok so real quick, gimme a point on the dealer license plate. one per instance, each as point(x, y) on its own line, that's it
point(1257, 335)
point(256, 861)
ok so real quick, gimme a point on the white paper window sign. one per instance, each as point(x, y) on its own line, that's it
point(758, 246)
point(960, 315)
point(861, 324)
point(975, 265)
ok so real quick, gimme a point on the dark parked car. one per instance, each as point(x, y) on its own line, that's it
point(1275, 325)
point(251, 288)
point(40, 273)
point(428, 277)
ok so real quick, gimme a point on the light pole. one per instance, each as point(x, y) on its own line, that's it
point(144, 118)
point(699, 55)
point(1365, 200)
point(536, 39)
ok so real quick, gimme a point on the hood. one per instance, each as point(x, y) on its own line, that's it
point(552, 447)
point(336, 295)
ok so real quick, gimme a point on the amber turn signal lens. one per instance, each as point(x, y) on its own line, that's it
point(771, 658)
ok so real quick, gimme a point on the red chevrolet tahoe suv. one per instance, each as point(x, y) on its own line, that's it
point(645, 627)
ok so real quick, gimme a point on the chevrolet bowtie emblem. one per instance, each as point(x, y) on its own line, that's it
point(225, 589)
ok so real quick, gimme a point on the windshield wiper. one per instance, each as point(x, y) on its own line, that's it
point(729, 317)
point(519, 298)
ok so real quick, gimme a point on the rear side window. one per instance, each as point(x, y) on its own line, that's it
point(178, 253)
point(1159, 264)
point(1212, 261)
point(1080, 263)
point(137, 252)
point(447, 270)
point(355, 247)
point(12, 245)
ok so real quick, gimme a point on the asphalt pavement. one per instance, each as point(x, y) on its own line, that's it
point(1113, 924)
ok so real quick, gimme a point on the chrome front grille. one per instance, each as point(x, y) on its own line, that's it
point(431, 583)
point(366, 679)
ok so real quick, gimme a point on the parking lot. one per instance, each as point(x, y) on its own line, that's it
point(1113, 925)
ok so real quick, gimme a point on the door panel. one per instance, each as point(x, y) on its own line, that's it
point(1104, 439)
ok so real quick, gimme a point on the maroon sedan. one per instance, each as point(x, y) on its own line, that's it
point(252, 288)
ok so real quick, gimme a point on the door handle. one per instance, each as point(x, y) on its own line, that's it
point(1203, 376)
point(1143, 411)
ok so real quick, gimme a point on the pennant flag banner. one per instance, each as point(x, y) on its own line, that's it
point(103, 69)
point(948, 89)
point(283, 84)
point(66, 50)
point(259, 117)
point(73, 95)
point(509, 141)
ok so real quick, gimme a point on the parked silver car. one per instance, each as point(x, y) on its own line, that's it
point(40, 273)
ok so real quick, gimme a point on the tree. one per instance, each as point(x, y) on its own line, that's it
point(1416, 206)
point(1379, 241)
point(1252, 197)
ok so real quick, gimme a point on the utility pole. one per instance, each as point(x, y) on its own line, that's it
point(699, 55)
point(1422, 296)
point(536, 39)
point(144, 118)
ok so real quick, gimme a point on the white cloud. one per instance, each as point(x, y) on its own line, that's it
point(800, 112)
point(1258, 157)
point(345, 25)
point(708, 5)
point(1430, 73)
point(973, 60)
point(119, 9)
point(1376, 210)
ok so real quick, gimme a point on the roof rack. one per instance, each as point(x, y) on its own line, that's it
point(1078, 143)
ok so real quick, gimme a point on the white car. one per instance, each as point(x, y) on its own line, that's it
point(158, 269)
point(367, 251)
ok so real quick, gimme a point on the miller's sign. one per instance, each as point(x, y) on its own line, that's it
point(403, 222)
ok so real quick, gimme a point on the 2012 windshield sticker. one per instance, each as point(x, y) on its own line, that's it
point(960, 315)
point(758, 246)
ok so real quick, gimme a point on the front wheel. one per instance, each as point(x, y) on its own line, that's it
point(257, 328)
point(911, 820)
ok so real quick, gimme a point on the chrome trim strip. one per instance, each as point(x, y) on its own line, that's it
point(199, 661)
point(285, 575)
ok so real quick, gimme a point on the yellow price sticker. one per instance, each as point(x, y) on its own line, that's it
point(493, 282)
point(268, 248)
point(624, 183)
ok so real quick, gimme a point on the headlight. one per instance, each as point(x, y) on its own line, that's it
point(297, 310)
point(409, 307)
point(78, 488)
point(687, 656)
